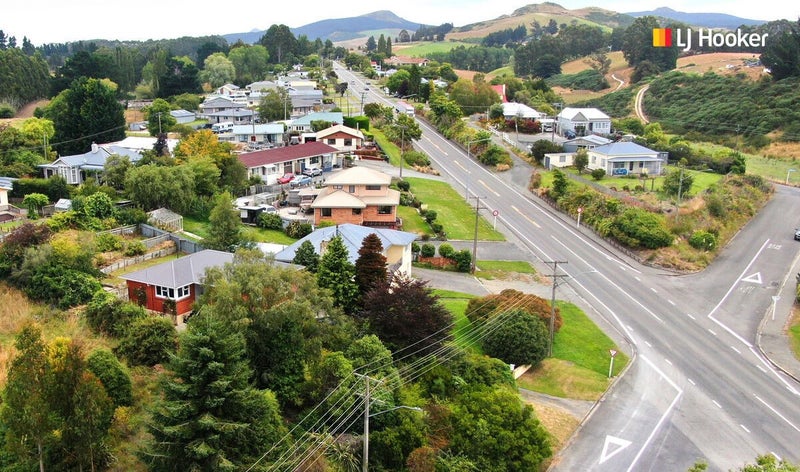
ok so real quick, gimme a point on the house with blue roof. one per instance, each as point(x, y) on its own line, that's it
point(396, 244)
point(623, 158)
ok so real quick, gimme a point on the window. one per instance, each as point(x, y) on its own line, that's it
point(385, 210)
point(348, 142)
point(331, 142)
point(562, 158)
point(356, 211)
point(170, 293)
point(326, 212)
point(373, 187)
point(352, 189)
point(337, 187)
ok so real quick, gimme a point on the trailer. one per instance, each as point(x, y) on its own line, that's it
point(404, 108)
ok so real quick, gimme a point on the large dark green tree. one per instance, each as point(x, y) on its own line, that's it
point(516, 337)
point(371, 264)
point(22, 78)
point(225, 233)
point(275, 105)
point(337, 274)
point(179, 76)
point(306, 256)
point(88, 111)
point(280, 43)
point(782, 53)
point(152, 186)
point(210, 418)
point(638, 47)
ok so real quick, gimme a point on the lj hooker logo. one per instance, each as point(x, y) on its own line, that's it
point(663, 38)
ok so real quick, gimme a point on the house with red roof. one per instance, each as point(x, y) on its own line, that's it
point(270, 164)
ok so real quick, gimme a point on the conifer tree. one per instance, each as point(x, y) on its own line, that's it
point(371, 264)
point(337, 274)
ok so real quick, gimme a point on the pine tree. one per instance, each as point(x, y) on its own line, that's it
point(371, 264)
point(337, 274)
point(210, 418)
point(307, 257)
point(225, 233)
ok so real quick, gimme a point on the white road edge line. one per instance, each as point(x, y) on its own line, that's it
point(744, 428)
point(663, 417)
point(776, 413)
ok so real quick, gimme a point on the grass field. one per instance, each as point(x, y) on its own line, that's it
point(490, 270)
point(579, 367)
point(424, 48)
point(412, 222)
point(259, 235)
point(452, 211)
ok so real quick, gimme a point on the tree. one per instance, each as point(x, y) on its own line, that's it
point(559, 184)
point(180, 75)
point(337, 274)
point(517, 337)
point(88, 425)
point(210, 418)
point(371, 264)
point(406, 312)
point(739, 165)
point(112, 374)
point(638, 47)
point(782, 53)
point(306, 256)
point(482, 417)
point(371, 44)
point(547, 66)
point(25, 411)
point(273, 105)
point(34, 202)
point(152, 186)
point(218, 70)
point(768, 463)
point(99, 205)
point(677, 181)
point(581, 160)
point(88, 111)
point(159, 120)
point(225, 233)
point(280, 43)
point(250, 63)
point(115, 170)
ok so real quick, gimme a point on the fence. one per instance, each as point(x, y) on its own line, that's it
point(182, 244)
point(136, 260)
point(130, 229)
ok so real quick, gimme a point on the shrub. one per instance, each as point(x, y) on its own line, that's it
point(404, 185)
point(446, 250)
point(134, 248)
point(416, 158)
point(703, 240)
point(535, 182)
point(415, 247)
point(107, 314)
point(598, 174)
point(60, 286)
point(131, 216)
point(298, 230)
point(106, 242)
point(638, 228)
point(518, 338)
point(427, 250)
point(112, 374)
point(150, 341)
point(270, 221)
point(7, 111)
point(430, 215)
point(463, 260)
point(437, 228)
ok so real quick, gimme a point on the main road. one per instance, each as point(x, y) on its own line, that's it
point(698, 388)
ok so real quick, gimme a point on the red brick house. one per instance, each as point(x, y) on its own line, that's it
point(360, 196)
point(179, 281)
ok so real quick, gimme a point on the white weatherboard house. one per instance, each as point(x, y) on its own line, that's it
point(583, 121)
point(623, 158)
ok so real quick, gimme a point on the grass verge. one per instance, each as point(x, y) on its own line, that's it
point(453, 213)
point(579, 366)
point(794, 333)
point(490, 270)
point(456, 303)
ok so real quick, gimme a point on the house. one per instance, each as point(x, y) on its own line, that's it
point(217, 104)
point(227, 89)
point(513, 110)
point(583, 121)
point(501, 91)
point(182, 116)
point(237, 116)
point(398, 61)
point(179, 281)
point(342, 137)
point(585, 142)
point(269, 164)
point(7, 211)
point(144, 143)
point(77, 168)
point(303, 124)
point(396, 244)
point(255, 135)
point(262, 86)
point(622, 158)
point(358, 195)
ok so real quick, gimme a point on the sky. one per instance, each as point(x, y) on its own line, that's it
point(58, 21)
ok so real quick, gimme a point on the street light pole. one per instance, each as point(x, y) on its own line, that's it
point(787, 175)
point(478, 209)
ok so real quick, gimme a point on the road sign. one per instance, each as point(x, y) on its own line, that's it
point(495, 213)
point(580, 209)
point(612, 352)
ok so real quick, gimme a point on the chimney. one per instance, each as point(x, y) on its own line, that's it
point(94, 148)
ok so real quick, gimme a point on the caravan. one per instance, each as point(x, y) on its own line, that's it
point(224, 127)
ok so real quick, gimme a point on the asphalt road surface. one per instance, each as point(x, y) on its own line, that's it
point(697, 389)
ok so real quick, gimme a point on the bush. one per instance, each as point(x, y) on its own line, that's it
point(134, 248)
point(404, 185)
point(7, 111)
point(107, 242)
point(150, 341)
point(430, 215)
point(598, 174)
point(112, 374)
point(61, 287)
point(298, 230)
point(109, 315)
point(131, 216)
point(463, 260)
point(416, 158)
point(638, 228)
point(703, 240)
point(427, 250)
point(270, 221)
point(535, 182)
point(446, 251)
point(437, 228)
point(415, 247)
point(517, 338)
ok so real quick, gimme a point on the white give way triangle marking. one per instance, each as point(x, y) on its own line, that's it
point(755, 278)
point(611, 440)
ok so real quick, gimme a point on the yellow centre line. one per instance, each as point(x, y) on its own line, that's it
point(525, 216)
point(488, 188)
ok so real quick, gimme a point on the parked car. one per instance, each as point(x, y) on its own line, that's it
point(312, 171)
point(287, 177)
point(797, 234)
point(301, 181)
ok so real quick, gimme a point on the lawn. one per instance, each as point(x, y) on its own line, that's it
point(456, 303)
point(794, 334)
point(453, 213)
point(490, 270)
point(579, 366)
point(412, 222)
point(422, 49)
point(259, 235)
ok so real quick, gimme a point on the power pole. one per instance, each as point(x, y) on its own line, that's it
point(365, 453)
point(478, 209)
point(556, 278)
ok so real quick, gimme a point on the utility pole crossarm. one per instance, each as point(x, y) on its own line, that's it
point(478, 208)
